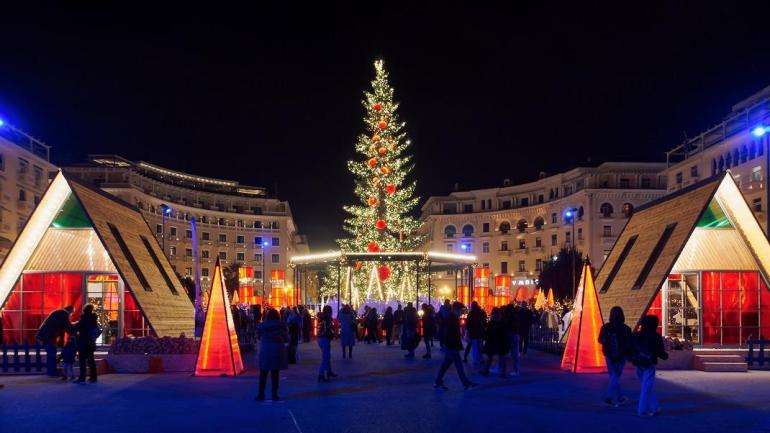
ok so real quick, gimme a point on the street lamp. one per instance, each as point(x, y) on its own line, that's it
point(264, 246)
point(569, 216)
point(164, 210)
point(759, 132)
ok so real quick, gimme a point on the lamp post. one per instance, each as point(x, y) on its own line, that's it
point(264, 248)
point(569, 215)
point(760, 132)
point(164, 210)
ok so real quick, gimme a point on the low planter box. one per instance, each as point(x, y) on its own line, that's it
point(129, 363)
point(677, 360)
point(175, 363)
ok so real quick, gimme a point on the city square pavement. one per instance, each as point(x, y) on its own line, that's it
point(380, 391)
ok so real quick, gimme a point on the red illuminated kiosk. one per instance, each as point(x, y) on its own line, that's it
point(583, 353)
point(219, 353)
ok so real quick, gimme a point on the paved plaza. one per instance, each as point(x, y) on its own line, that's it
point(380, 391)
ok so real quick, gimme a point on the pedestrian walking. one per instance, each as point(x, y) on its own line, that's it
point(372, 333)
point(647, 348)
point(511, 319)
point(387, 325)
point(347, 322)
point(526, 319)
point(409, 337)
point(54, 326)
point(273, 356)
point(615, 338)
point(476, 324)
point(88, 331)
point(428, 328)
point(496, 342)
point(452, 347)
point(294, 322)
point(398, 322)
point(325, 337)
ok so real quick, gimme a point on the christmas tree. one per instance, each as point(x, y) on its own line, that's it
point(382, 221)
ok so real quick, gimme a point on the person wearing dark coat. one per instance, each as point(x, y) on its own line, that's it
point(325, 337)
point(511, 319)
point(387, 325)
point(476, 325)
point(615, 338)
point(347, 321)
point(273, 335)
point(371, 327)
point(398, 322)
point(428, 328)
point(409, 337)
point(452, 346)
point(88, 331)
point(526, 319)
point(647, 348)
point(440, 317)
point(497, 342)
point(53, 327)
point(307, 324)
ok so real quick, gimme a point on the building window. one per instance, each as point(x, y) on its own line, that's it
point(679, 178)
point(694, 171)
point(276, 258)
point(223, 255)
point(240, 239)
point(580, 234)
point(158, 228)
point(188, 234)
point(258, 275)
point(205, 236)
point(554, 240)
point(506, 204)
point(504, 246)
point(449, 231)
point(187, 272)
point(485, 227)
point(756, 205)
point(173, 231)
point(504, 227)
point(450, 208)
point(276, 242)
point(539, 223)
point(522, 266)
point(607, 231)
point(483, 205)
point(646, 183)
point(568, 238)
point(539, 265)
point(756, 174)
point(450, 248)
point(466, 248)
point(205, 254)
point(503, 267)
point(522, 225)
point(625, 182)
point(38, 176)
point(628, 210)
point(258, 240)
point(468, 208)
point(258, 257)
point(188, 252)
point(467, 230)
point(554, 219)
point(538, 242)
point(204, 272)
point(222, 237)
point(522, 244)
point(485, 247)
point(2, 162)
point(485, 265)
point(240, 256)
point(606, 210)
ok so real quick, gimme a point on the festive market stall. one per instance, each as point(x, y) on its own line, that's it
point(80, 246)
point(699, 260)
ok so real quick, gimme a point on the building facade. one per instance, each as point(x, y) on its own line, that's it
point(235, 223)
point(739, 143)
point(25, 169)
point(515, 229)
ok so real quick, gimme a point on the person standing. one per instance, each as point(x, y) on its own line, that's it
point(452, 347)
point(497, 342)
point(371, 327)
point(307, 324)
point(615, 338)
point(511, 319)
point(526, 318)
point(476, 324)
point(325, 337)
point(54, 326)
point(647, 348)
point(294, 322)
point(440, 317)
point(398, 322)
point(347, 330)
point(273, 336)
point(409, 335)
point(88, 331)
point(428, 328)
point(387, 325)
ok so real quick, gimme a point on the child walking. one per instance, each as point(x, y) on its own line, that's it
point(68, 359)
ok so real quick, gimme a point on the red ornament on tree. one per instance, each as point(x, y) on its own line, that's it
point(376, 138)
point(390, 189)
point(383, 272)
point(382, 124)
point(381, 224)
point(372, 163)
point(372, 200)
point(382, 150)
point(373, 247)
point(377, 106)
point(384, 170)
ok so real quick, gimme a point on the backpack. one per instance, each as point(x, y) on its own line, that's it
point(643, 354)
point(611, 345)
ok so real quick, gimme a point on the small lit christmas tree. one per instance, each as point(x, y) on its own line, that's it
point(382, 221)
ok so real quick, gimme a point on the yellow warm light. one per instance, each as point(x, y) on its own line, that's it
point(320, 256)
point(33, 232)
point(470, 258)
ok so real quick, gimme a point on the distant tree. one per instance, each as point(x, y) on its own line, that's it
point(556, 273)
point(231, 278)
point(189, 286)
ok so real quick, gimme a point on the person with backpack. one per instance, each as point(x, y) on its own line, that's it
point(615, 338)
point(647, 348)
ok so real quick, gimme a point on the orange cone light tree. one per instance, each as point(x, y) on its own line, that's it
point(219, 353)
point(583, 353)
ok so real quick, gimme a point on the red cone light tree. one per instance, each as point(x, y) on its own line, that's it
point(582, 352)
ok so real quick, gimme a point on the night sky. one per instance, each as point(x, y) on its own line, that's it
point(272, 97)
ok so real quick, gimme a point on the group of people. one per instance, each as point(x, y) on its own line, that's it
point(80, 343)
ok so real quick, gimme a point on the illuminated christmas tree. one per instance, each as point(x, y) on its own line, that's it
point(382, 221)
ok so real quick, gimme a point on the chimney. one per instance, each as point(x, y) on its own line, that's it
point(506, 182)
point(457, 186)
point(542, 175)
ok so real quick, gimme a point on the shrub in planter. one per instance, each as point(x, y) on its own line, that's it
point(151, 354)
